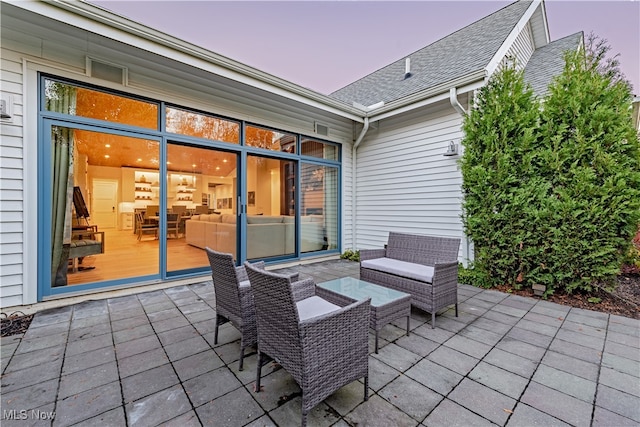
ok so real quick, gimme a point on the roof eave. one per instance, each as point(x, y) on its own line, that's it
point(115, 26)
point(428, 96)
point(506, 44)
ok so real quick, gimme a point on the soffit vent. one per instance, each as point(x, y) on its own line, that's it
point(107, 71)
point(321, 129)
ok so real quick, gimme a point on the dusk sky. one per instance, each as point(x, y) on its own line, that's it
point(326, 45)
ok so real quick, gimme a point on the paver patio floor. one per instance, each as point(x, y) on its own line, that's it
point(149, 359)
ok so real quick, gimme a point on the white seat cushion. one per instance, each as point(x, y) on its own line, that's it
point(422, 273)
point(314, 306)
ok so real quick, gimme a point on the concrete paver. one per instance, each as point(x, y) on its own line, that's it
point(149, 359)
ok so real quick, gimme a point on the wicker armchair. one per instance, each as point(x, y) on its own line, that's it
point(234, 300)
point(323, 346)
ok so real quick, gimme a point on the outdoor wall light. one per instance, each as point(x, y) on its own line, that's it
point(452, 149)
point(5, 106)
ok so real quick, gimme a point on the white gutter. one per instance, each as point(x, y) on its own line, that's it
point(354, 150)
point(468, 82)
point(453, 99)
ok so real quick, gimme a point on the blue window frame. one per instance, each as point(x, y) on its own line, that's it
point(272, 184)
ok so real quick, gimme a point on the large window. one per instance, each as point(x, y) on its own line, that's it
point(201, 186)
point(321, 150)
point(93, 228)
point(129, 198)
point(319, 207)
point(271, 203)
point(79, 101)
point(270, 139)
point(202, 125)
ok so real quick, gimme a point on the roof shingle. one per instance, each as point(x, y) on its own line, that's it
point(463, 52)
point(548, 62)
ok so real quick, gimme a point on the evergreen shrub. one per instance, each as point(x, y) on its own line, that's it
point(552, 189)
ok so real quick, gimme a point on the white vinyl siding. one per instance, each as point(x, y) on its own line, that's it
point(347, 197)
point(539, 29)
point(61, 50)
point(522, 48)
point(404, 182)
point(11, 183)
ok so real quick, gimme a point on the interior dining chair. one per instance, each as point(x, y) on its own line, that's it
point(173, 224)
point(179, 209)
point(146, 226)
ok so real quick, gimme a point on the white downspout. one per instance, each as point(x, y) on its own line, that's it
point(364, 130)
point(453, 99)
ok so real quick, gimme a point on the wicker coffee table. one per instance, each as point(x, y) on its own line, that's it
point(387, 304)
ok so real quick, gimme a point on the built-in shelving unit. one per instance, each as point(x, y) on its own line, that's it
point(184, 191)
point(143, 191)
point(145, 188)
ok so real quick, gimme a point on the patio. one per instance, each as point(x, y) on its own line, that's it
point(148, 359)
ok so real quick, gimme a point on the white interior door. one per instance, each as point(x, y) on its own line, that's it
point(105, 198)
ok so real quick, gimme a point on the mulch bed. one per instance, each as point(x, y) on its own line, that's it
point(14, 323)
point(623, 301)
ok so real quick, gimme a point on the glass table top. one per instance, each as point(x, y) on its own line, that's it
point(359, 290)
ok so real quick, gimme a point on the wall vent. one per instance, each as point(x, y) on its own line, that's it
point(107, 71)
point(321, 129)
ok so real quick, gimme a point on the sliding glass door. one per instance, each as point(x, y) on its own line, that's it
point(93, 184)
point(133, 190)
point(271, 207)
point(201, 194)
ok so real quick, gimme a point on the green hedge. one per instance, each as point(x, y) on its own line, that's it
point(552, 189)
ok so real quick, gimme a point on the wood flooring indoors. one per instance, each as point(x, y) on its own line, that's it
point(125, 256)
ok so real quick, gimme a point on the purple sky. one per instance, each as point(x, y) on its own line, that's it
point(326, 45)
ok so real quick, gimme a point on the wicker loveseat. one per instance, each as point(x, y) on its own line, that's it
point(424, 266)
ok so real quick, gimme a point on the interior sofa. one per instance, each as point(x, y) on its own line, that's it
point(424, 266)
point(267, 235)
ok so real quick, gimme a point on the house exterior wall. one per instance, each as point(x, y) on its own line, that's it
point(11, 183)
point(347, 197)
point(37, 45)
point(522, 47)
point(404, 182)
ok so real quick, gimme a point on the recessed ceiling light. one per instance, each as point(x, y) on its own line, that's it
point(193, 165)
point(139, 160)
point(168, 162)
point(106, 156)
point(217, 168)
point(107, 145)
point(224, 161)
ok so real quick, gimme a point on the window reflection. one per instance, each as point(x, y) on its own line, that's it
point(201, 190)
point(321, 150)
point(202, 126)
point(318, 207)
point(102, 209)
point(271, 206)
point(79, 101)
point(270, 139)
